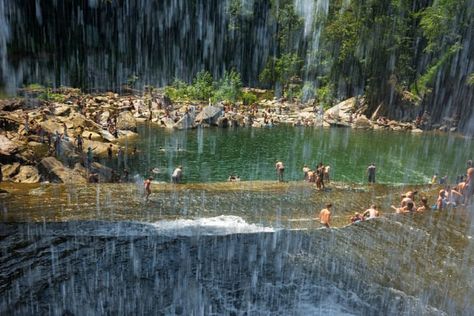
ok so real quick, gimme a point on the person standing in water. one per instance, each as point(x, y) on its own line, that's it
point(279, 168)
point(177, 175)
point(147, 185)
point(371, 173)
point(325, 215)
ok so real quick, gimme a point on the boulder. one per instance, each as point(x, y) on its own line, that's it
point(342, 110)
point(362, 122)
point(416, 131)
point(99, 148)
point(104, 172)
point(7, 146)
point(53, 170)
point(27, 174)
point(61, 110)
point(95, 136)
point(187, 121)
point(127, 134)
point(52, 126)
point(9, 171)
point(126, 121)
point(209, 114)
point(108, 136)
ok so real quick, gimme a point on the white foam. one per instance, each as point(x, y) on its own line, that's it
point(219, 225)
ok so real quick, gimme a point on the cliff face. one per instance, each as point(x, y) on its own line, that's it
point(332, 49)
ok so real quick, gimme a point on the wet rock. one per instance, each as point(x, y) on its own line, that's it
point(27, 174)
point(10, 170)
point(416, 131)
point(126, 121)
point(53, 170)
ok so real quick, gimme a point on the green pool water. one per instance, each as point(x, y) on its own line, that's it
point(211, 154)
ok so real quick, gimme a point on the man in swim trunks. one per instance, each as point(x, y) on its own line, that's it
point(325, 215)
point(279, 168)
point(371, 173)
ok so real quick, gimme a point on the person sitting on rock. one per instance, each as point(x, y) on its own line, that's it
point(357, 218)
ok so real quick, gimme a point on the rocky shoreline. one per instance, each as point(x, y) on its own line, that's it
point(50, 139)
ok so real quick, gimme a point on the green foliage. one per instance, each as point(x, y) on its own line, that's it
point(249, 98)
point(438, 23)
point(324, 95)
point(132, 80)
point(422, 85)
point(282, 70)
point(178, 91)
point(202, 87)
point(229, 88)
point(470, 80)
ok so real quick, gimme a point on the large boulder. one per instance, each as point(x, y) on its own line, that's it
point(187, 121)
point(53, 170)
point(7, 146)
point(126, 121)
point(9, 171)
point(341, 111)
point(209, 114)
point(362, 122)
point(61, 110)
point(104, 172)
point(27, 174)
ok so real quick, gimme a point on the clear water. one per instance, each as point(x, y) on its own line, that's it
point(211, 155)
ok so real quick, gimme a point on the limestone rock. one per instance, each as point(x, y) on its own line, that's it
point(416, 131)
point(27, 174)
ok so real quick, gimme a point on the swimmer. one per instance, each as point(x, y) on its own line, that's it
point(325, 215)
point(441, 201)
point(279, 168)
point(424, 205)
point(305, 172)
point(147, 185)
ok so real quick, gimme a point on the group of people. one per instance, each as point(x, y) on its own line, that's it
point(447, 197)
point(176, 177)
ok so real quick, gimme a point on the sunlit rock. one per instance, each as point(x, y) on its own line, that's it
point(27, 174)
